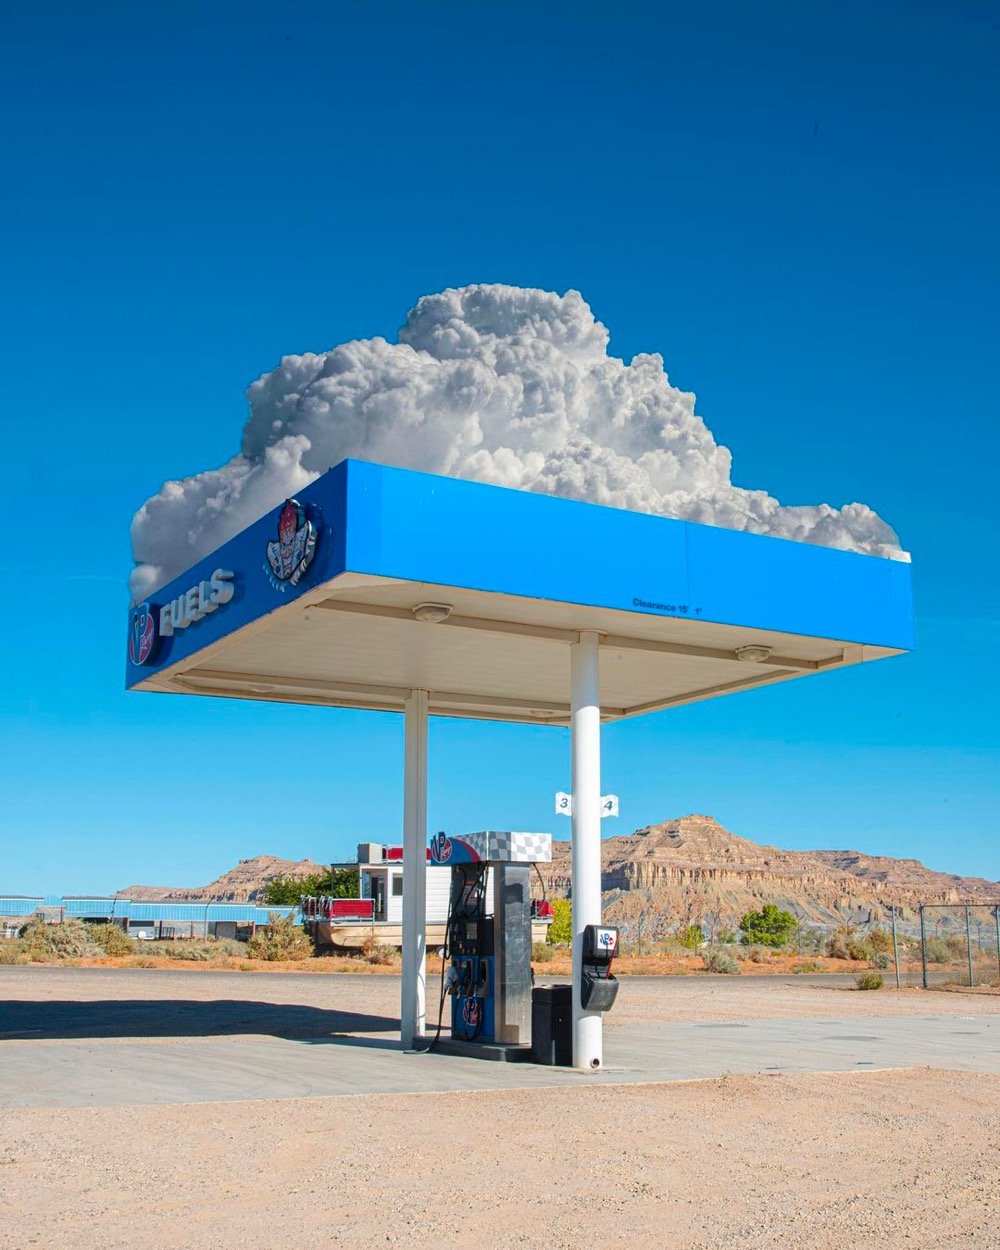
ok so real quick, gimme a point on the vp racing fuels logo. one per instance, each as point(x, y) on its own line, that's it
point(141, 633)
point(440, 848)
point(291, 555)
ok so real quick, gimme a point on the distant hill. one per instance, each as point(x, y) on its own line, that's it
point(244, 883)
point(688, 871)
point(694, 871)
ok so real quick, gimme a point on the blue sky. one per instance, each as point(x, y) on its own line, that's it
point(795, 204)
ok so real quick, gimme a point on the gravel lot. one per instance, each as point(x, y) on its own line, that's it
point(856, 1160)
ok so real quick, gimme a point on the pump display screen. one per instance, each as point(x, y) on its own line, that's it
point(471, 937)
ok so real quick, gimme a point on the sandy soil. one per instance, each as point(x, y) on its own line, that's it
point(866, 1161)
point(810, 1162)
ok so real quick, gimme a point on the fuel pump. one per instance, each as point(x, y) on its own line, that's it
point(471, 948)
point(488, 940)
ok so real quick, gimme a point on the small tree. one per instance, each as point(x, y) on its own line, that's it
point(767, 927)
point(336, 883)
point(691, 936)
point(561, 928)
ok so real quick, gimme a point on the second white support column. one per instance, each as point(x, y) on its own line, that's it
point(413, 1005)
point(585, 702)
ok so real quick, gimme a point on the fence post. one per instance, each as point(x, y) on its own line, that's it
point(895, 948)
point(968, 943)
point(923, 945)
point(996, 916)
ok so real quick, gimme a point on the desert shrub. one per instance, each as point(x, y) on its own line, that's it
point(880, 959)
point(880, 940)
point(868, 981)
point(859, 950)
point(720, 961)
point(936, 951)
point(958, 947)
point(726, 937)
point(807, 965)
point(767, 927)
point(756, 954)
point(200, 950)
point(12, 952)
point(542, 952)
point(111, 939)
point(806, 939)
point(43, 943)
point(196, 952)
point(374, 952)
point(940, 950)
point(691, 937)
point(838, 944)
point(561, 928)
point(281, 940)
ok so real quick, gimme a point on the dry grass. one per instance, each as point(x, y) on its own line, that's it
point(383, 960)
point(690, 963)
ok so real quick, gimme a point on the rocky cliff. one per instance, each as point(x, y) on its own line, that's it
point(692, 870)
point(244, 883)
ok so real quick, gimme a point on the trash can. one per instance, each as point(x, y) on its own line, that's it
point(552, 1025)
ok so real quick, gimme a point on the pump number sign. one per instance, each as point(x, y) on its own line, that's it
point(564, 804)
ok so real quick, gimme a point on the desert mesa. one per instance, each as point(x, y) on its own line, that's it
point(689, 870)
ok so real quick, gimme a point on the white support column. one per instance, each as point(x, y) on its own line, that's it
point(413, 1006)
point(588, 1048)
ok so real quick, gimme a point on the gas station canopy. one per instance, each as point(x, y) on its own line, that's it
point(377, 581)
point(384, 588)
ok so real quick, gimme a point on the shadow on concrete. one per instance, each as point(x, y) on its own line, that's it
point(160, 1018)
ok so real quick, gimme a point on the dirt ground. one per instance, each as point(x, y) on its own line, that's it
point(641, 1000)
point(817, 1162)
point(801, 1162)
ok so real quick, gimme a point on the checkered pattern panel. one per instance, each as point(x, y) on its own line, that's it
point(505, 847)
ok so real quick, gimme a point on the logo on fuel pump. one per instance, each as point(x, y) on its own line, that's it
point(440, 848)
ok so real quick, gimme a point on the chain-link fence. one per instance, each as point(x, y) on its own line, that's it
point(934, 944)
point(960, 944)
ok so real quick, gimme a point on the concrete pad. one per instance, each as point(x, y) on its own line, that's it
point(74, 1073)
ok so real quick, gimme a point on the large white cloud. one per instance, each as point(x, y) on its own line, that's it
point(496, 383)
